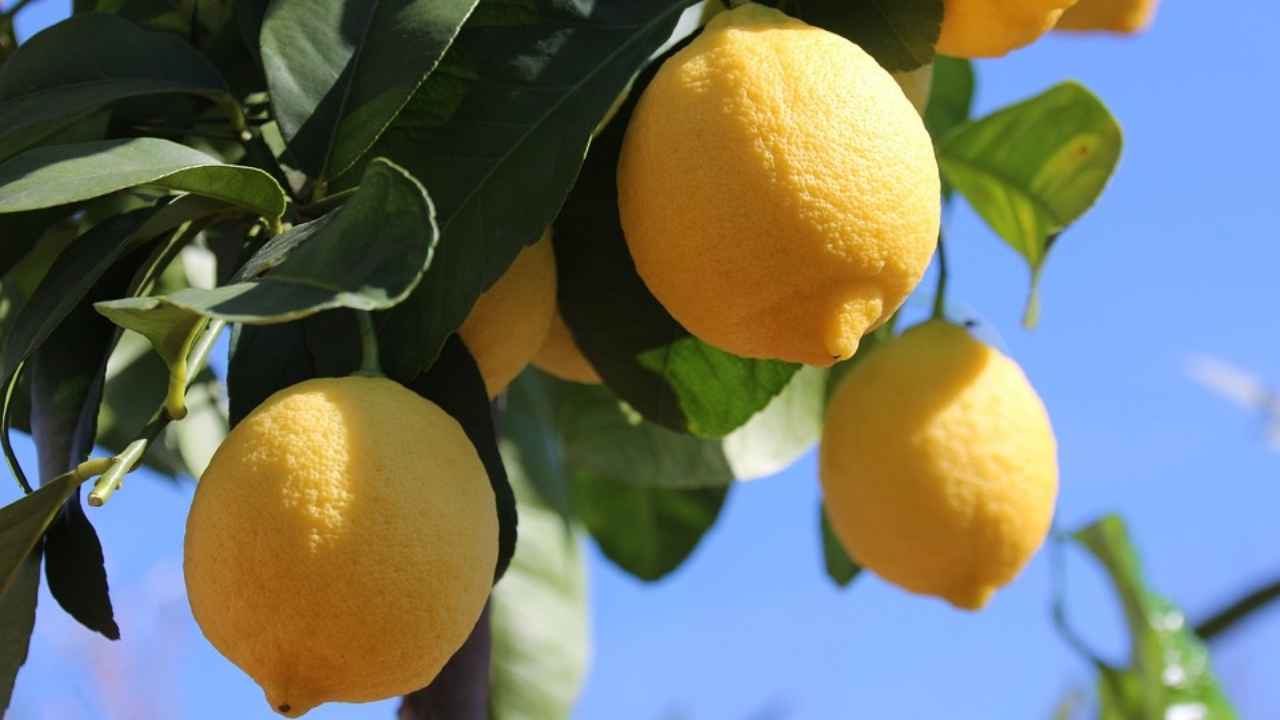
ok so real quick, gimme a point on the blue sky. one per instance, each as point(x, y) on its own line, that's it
point(1179, 258)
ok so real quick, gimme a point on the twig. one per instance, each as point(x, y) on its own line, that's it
point(1227, 618)
point(940, 295)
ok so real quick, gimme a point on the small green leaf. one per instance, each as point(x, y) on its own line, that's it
point(899, 34)
point(647, 531)
point(643, 354)
point(498, 132)
point(533, 441)
point(321, 265)
point(44, 87)
point(840, 568)
point(538, 614)
point(23, 522)
point(340, 72)
point(17, 620)
point(787, 428)
point(60, 174)
point(1032, 169)
point(1171, 673)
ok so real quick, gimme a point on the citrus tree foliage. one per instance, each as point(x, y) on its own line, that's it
point(319, 157)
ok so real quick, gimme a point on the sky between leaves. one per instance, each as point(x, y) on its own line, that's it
point(1177, 259)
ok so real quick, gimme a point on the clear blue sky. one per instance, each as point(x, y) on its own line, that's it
point(1179, 258)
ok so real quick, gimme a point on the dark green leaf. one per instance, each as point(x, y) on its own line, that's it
point(321, 265)
point(899, 34)
point(782, 432)
point(498, 133)
point(23, 522)
point(67, 373)
point(1032, 169)
point(647, 531)
point(17, 620)
point(1171, 673)
point(539, 615)
point(21, 231)
point(340, 72)
point(454, 383)
point(840, 568)
point(46, 85)
point(263, 360)
point(643, 354)
point(60, 174)
point(950, 96)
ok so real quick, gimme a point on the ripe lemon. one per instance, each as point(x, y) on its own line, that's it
point(561, 356)
point(939, 466)
point(1122, 16)
point(342, 543)
point(509, 321)
point(992, 28)
point(778, 192)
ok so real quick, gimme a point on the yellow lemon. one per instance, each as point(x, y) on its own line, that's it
point(992, 28)
point(777, 190)
point(1122, 16)
point(561, 356)
point(939, 465)
point(510, 320)
point(342, 543)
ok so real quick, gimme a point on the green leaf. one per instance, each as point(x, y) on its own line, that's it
point(67, 374)
point(45, 87)
point(647, 531)
point(60, 174)
point(840, 568)
point(1171, 673)
point(604, 438)
point(340, 72)
point(17, 620)
point(498, 133)
point(1032, 169)
point(950, 96)
point(321, 265)
point(786, 429)
point(538, 614)
point(533, 441)
point(899, 34)
point(23, 522)
point(643, 354)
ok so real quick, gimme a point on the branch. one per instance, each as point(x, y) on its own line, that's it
point(1222, 621)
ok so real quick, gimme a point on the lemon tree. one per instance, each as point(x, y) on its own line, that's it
point(501, 279)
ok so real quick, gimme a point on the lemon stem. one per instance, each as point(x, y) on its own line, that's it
point(940, 295)
point(369, 361)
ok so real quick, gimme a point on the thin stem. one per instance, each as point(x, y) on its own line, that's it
point(370, 364)
point(325, 204)
point(113, 478)
point(1226, 618)
point(940, 295)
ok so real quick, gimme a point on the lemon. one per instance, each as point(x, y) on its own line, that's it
point(1122, 16)
point(561, 356)
point(992, 28)
point(777, 190)
point(509, 321)
point(342, 543)
point(939, 465)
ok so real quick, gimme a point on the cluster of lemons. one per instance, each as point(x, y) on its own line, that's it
point(779, 195)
